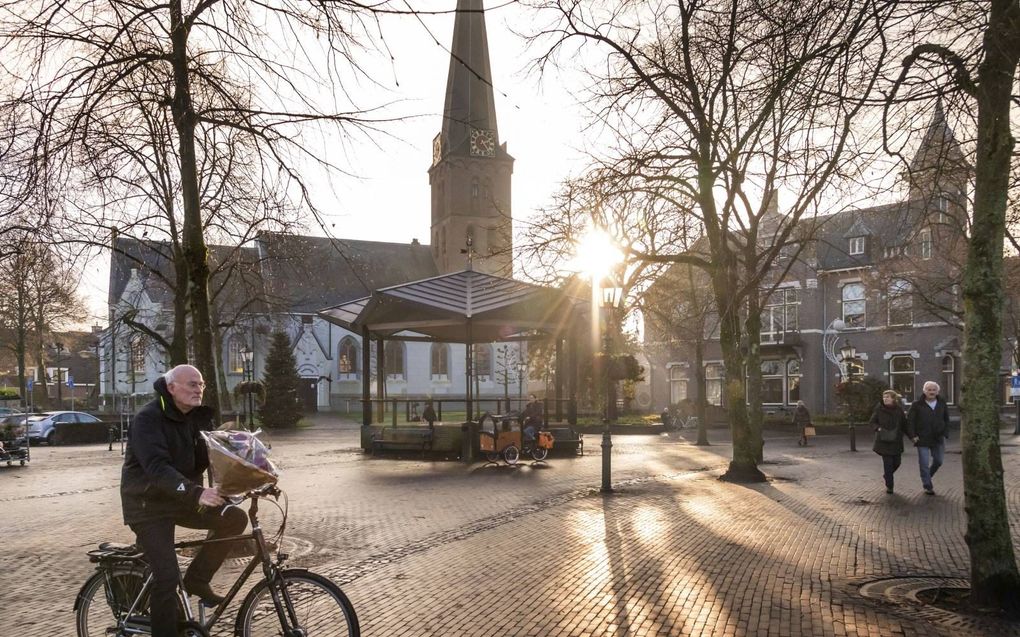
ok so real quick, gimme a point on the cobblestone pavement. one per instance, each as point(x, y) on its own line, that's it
point(427, 547)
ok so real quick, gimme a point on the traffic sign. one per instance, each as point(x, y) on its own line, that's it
point(29, 383)
point(70, 381)
point(1014, 387)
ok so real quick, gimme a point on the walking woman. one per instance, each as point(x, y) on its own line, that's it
point(802, 419)
point(890, 425)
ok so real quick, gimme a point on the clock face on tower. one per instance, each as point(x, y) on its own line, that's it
point(437, 149)
point(483, 143)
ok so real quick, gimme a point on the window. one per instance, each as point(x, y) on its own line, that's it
point(854, 305)
point(235, 362)
point(901, 376)
point(949, 379)
point(926, 244)
point(483, 361)
point(677, 384)
point(713, 383)
point(772, 382)
point(792, 381)
point(393, 352)
point(440, 365)
point(856, 245)
point(901, 303)
point(347, 358)
point(780, 315)
point(891, 252)
point(138, 346)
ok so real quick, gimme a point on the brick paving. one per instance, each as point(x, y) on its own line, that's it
point(441, 548)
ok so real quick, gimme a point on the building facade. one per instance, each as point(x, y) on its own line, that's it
point(885, 279)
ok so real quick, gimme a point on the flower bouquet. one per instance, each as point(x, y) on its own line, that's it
point(240, 462)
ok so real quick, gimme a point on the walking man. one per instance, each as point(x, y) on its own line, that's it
point(928, 427)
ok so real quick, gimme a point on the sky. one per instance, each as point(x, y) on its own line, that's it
point(387, 196)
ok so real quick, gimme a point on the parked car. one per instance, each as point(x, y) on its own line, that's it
point(8, 411)
point(44, 426)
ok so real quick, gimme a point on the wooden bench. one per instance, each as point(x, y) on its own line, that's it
point(388, 439)
point(566, 439)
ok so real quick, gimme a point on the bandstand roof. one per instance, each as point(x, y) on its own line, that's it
point(459, 307)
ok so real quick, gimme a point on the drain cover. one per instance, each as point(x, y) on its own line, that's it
point(903, 591)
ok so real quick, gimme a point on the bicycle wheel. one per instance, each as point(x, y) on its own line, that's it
point(318, 606)
point(539, 453)
point(511, 454)
point(99, 609)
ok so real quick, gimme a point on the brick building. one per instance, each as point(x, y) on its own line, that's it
point(885, 278)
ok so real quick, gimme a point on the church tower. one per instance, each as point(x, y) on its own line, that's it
point(471, 169)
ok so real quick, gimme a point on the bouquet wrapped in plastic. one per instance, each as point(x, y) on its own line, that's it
point(240, 462)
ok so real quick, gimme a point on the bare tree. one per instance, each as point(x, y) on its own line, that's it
point(723, 103)
point(225, 66)
point(979, 71)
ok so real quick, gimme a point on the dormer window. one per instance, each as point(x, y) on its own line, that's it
point(856, 245)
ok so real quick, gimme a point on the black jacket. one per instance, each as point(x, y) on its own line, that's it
point(165, 458)
point(891, 419)
point(930, 426)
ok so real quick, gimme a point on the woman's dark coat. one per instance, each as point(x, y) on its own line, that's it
point(885, 417)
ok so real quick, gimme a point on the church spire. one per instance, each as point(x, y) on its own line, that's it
point(939, 165)
point(469, 106)
point(471, 170)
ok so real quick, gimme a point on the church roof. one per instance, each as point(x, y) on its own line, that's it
point(308, 273)
point(281, 272)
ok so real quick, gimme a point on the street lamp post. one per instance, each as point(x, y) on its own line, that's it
point(246, 357)
point(522, 372)
point(848, 353)
point(611, 298)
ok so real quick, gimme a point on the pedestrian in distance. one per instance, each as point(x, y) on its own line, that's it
point(429, 415)
point(928, 428)
point(161, 488)
point(890, 425)
point(802, 420)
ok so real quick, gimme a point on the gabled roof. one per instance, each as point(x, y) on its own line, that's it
point(276, 272)
point(442, 308)
point(306, 273)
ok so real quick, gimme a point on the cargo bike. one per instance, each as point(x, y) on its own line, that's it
point(503, 436)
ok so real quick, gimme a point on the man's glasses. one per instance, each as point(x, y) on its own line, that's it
point(194, 384)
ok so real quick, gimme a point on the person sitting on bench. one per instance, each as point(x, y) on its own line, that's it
point(531, 417)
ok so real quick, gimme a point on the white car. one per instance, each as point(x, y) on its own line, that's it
point(44, 426)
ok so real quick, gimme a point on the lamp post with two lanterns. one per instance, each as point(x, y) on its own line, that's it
point(522, 373)
point(848, 356)
point(611, 298)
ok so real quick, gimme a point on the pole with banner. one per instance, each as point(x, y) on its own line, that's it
point(29, 386)
point(70, 385)
point(1014, 391)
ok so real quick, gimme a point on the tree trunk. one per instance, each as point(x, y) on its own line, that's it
point(193, 239)
point(744, 465)
point(752, 328)
point(993, 570)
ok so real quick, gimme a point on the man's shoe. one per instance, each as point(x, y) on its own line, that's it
point(888, 489)
point(203, 591)
point(929, 491)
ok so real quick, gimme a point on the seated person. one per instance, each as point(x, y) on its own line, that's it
point(531, 417)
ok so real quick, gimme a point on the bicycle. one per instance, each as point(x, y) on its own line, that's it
point(286, 601)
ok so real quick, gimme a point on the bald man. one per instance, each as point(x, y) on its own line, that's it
point(161, 488)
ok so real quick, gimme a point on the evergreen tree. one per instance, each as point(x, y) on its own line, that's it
point(282, 407)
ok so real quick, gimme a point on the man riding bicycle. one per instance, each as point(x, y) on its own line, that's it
point(161, 488)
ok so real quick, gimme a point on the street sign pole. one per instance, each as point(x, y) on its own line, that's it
point(1014, 391)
